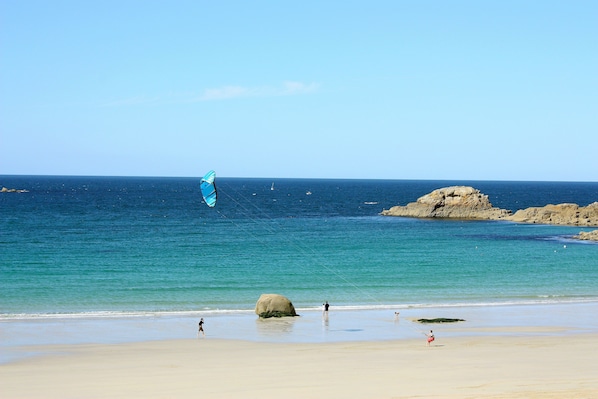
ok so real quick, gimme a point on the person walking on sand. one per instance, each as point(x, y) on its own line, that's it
point(430, 337)
point(201, 328)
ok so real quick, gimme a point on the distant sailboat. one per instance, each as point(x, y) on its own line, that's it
point(272, 187)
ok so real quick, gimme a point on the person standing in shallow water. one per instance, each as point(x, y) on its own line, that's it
point(201, 328)
point(326, 306)
point(430, 337)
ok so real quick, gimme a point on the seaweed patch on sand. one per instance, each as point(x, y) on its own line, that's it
point(439, 320)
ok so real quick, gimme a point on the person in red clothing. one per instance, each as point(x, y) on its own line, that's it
point(430, 337)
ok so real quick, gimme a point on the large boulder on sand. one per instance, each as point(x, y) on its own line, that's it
point(274, 305)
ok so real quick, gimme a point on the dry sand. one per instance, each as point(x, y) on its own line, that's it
point(497, 366)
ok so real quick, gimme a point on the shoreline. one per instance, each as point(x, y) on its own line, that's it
point(21, 338)
point(113, 314)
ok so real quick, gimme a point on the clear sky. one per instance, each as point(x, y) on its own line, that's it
point(401, 89)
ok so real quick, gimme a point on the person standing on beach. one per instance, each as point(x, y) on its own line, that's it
point(430, 337)
point(201, 328)
point(326, 306)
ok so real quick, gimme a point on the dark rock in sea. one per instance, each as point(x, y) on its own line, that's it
point(12, 190)
point(439, 320)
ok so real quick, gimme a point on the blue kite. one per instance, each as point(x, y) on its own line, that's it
point(208, 188)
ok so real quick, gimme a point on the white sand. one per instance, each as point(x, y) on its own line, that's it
point(495, 366)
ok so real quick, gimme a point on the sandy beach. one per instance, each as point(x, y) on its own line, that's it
point(537, 351)
point(460, 367)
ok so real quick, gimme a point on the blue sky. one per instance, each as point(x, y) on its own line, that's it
point(460, 90)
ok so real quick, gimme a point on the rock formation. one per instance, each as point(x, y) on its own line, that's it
point(587, 235)
point(12, 190)
point(274, 305)
point(561, 214)
point(462, 202)
point(458, 202)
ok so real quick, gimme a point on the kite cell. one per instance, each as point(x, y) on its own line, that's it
point(208, 188)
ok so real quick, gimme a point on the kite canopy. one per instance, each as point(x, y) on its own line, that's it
point(208, 188)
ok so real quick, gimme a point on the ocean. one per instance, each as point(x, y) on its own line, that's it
point(80, 247)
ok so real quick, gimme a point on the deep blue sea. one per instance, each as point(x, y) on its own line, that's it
point(80, 246)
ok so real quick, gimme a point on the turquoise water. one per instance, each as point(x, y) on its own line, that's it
point(82, 246)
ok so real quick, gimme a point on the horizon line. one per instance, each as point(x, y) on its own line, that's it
point(198, 176)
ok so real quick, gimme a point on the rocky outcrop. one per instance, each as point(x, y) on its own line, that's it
point(463, 202)
point(12, 190)
point(561, 214)
point(458, 202)
point(587, 235)
point(274, 305)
